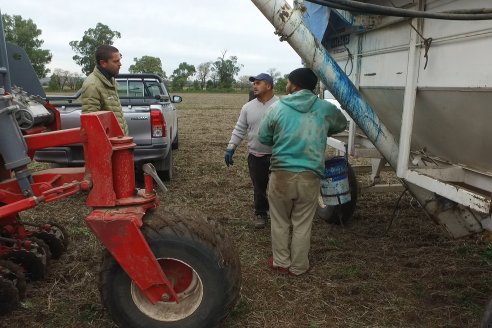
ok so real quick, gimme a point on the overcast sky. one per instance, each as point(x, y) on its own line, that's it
point(192, 31)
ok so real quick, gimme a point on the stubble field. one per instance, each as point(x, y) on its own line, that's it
point(414, 275)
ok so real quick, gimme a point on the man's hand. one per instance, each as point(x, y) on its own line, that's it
point(228, 156)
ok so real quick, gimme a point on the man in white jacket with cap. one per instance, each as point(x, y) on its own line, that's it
point(259, 155)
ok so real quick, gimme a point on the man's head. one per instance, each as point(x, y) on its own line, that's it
point(108, 58)
point(301, 78)
point(262, 85)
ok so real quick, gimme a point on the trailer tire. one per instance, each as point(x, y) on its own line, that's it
point(201, 252)
point(342, 214)
point(487, 316)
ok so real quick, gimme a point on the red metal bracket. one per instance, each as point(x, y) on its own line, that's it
point(119, 230)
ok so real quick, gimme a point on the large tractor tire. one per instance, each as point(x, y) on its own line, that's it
point(196, 256)
point(342, 214)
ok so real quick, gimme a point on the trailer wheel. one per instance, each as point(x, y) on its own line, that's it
point(200, 260)
point(487, 316)
point(342, 214)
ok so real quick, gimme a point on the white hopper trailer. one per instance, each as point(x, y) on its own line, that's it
point(415, 77)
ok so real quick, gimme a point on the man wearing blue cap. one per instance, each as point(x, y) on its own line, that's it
point(259, 154)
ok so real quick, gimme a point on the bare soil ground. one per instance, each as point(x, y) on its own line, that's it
point(414, 275)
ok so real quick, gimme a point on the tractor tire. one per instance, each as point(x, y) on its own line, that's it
point(56, 239)
point(15, 274)
point(200, 260)
point(9, 296)
point(342, 214)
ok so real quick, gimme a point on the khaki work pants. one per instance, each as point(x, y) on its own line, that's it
point(293, 199)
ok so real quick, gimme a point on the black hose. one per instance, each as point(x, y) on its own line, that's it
point(366, 8)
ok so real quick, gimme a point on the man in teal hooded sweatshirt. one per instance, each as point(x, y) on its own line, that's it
point(296, 127)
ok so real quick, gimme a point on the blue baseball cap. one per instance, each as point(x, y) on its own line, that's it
point(262, 77)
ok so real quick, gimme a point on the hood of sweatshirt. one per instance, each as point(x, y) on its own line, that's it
point(301, 101)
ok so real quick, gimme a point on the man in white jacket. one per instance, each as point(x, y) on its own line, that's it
point(259, 154)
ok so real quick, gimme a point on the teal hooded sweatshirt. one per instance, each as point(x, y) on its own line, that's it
point(296, 127)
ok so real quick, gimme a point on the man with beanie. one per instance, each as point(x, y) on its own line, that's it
point(258, 154)
point(296, 127)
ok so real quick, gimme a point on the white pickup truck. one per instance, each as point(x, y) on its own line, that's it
point(152, 121)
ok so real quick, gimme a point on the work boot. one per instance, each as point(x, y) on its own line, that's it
point(260, 221)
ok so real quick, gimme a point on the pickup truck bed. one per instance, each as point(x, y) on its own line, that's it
point(151, 117)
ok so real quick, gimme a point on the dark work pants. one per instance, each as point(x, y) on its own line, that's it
point(259, 170)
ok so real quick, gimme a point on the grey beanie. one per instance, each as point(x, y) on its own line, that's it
point(304, 78)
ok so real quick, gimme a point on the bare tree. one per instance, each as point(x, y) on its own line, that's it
point(62, 76)
point(203, 72)
point(74, 80)
point(243, 82)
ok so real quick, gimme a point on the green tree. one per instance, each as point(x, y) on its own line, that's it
point(280, 84)
point(25, 34)
point(181, 75)
point(86, 48)
point(148, 64)
point(54, 83)
point(226, 70)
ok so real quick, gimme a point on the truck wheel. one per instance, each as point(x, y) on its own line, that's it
point(200, 260)
point(342, 214)
point(175, 144)
point(166, 174)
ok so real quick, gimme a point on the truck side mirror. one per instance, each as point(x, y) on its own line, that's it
point(176, 99)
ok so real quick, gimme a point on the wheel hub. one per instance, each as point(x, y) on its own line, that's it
point(187, 285)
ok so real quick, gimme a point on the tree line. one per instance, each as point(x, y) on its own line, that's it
point(215, 75)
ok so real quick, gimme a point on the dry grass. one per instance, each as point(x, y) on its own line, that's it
point(413, 276)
